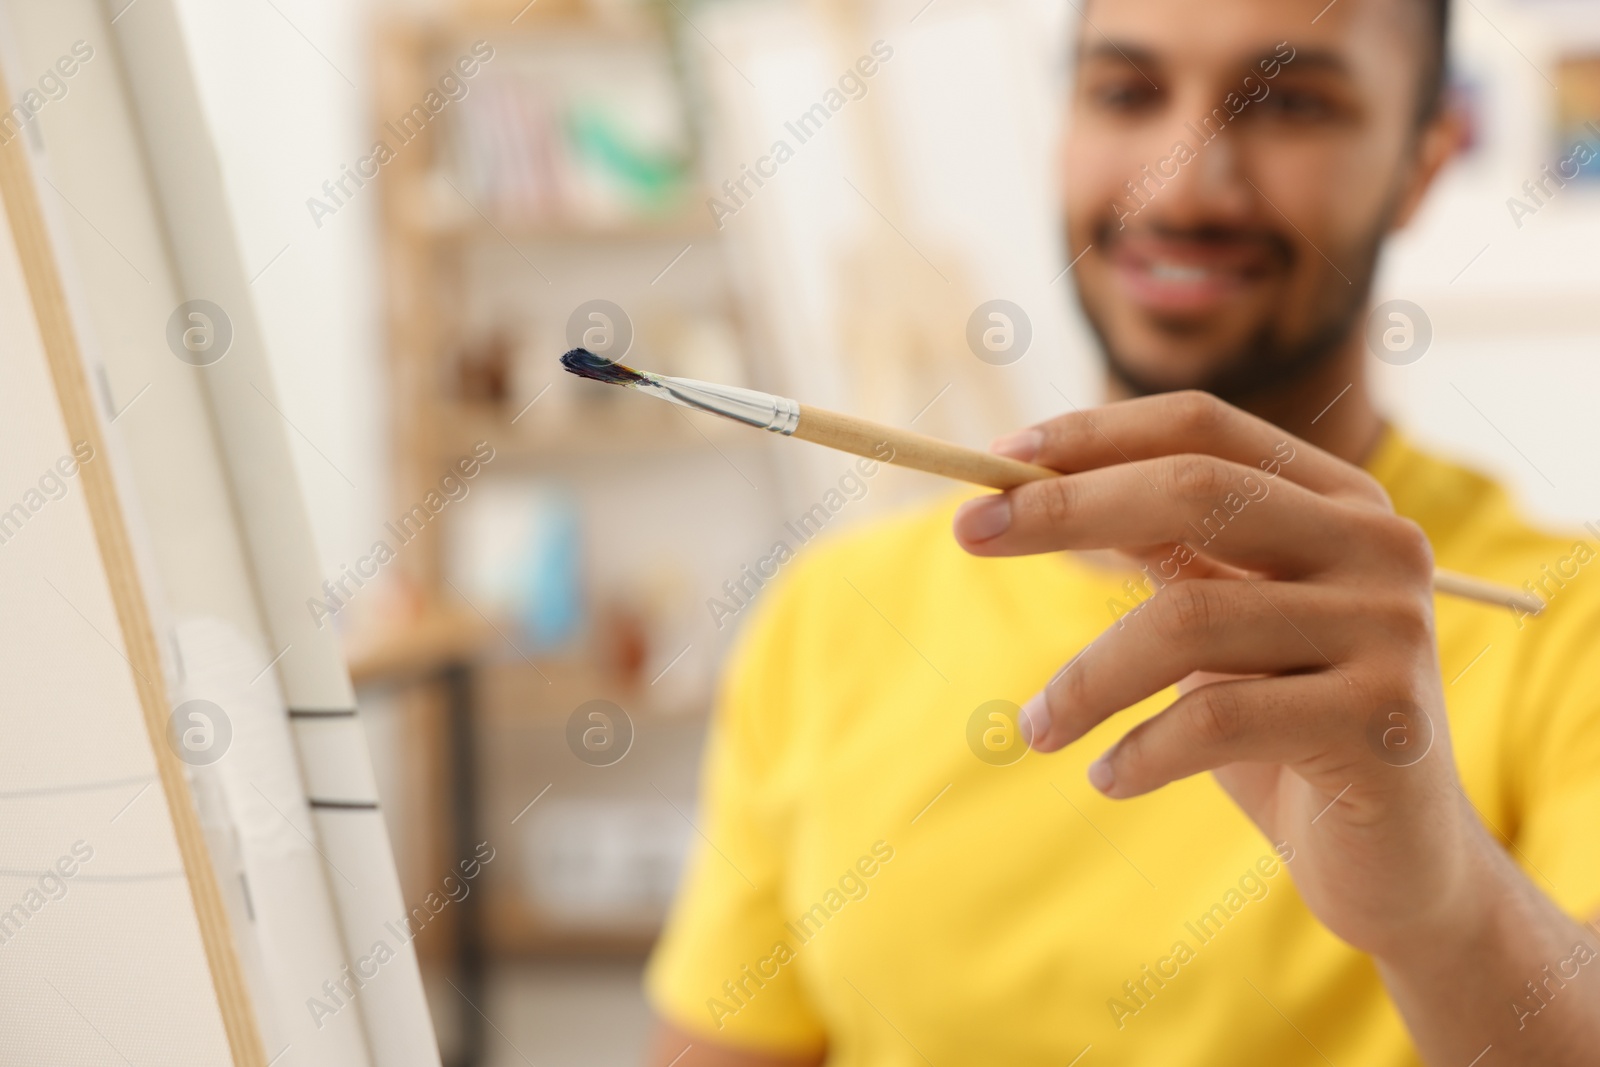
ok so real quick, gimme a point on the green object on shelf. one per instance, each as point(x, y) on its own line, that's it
point(654, 178)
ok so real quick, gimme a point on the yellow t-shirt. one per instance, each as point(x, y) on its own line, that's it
point(866, 882)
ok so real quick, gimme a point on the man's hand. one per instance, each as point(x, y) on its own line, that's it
point(1295, 613)
point(1312, 595)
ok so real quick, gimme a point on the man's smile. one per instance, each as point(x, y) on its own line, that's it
point(1193, 276)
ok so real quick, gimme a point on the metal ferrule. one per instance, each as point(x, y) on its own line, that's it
point(764, 411)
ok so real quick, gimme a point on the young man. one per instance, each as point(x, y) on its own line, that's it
point(1360, 831)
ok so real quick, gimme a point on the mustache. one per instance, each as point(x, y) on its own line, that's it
point(1108, 235)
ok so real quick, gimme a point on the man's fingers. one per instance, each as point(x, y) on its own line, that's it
point(1170, 423)
point(1294, 720)
point(1222, 627)
point(1214, 507)
point(1153, 556)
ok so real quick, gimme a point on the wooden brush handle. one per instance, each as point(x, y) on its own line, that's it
point(863, 437)
point(1468, 587)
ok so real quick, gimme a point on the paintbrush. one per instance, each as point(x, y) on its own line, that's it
point(905, 448)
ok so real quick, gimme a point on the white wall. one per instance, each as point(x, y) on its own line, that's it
point(1511, 381)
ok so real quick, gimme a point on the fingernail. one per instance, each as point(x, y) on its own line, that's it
point(1023, 445)
point(984, 518)
point(1035, 719)
point(1101, 776)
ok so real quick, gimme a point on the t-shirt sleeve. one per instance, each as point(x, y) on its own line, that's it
point(728, 918)
point(1559, 762)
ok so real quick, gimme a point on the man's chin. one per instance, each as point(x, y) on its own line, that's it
point(1238, 369)
point(1147, 353)
point(1241, 377)
point(1144, 376)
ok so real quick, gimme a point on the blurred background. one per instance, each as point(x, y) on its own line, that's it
point(437, 199)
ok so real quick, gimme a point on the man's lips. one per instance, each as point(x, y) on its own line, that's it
point(1190, 276)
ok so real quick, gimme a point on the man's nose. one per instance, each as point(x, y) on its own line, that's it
point(1214, 186)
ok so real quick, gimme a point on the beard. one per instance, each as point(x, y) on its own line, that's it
point(1277, 354)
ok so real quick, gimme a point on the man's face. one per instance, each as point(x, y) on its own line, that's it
point(1271, 144)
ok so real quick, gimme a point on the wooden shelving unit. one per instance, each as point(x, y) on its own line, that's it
point(430, 215)
point(431, 230)
point(476, 701)
point(606, 432)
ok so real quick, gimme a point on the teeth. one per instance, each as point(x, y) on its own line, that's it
point(1171, 272)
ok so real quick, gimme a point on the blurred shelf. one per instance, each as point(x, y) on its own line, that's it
point(515, 927)
point(518, 692)
point(564, 18)
point(689, 226)
point(438, 208)
point(606, 430)
point(513, 686)
point(404, 651)
point(478, 751)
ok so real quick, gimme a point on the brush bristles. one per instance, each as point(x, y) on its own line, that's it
point(585, 364)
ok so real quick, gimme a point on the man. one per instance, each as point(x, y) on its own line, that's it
point(1360, 831)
